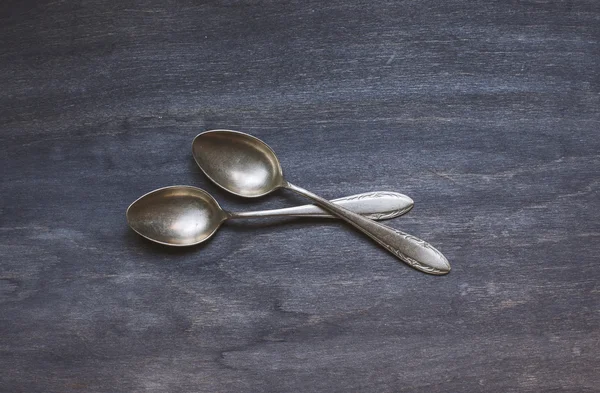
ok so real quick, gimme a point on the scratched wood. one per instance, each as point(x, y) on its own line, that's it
point(486, 113)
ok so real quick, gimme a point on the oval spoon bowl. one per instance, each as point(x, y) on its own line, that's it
point(176, 215)
point(237, 162)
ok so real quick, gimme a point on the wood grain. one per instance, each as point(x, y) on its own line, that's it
point(486, 113)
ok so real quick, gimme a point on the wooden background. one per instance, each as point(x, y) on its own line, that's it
point(487, 113)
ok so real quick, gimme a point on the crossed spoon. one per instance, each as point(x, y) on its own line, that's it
point(185, 215)
point(246, 166)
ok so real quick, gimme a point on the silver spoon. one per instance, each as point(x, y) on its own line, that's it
point(246, 166)
point(185, 215)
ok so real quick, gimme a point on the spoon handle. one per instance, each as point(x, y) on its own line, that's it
point(377, 205)
point(411, 250)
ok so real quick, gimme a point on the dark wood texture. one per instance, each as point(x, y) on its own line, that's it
point(487, 113)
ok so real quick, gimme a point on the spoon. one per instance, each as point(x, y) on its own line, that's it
point(246, 166)
point(185, 215)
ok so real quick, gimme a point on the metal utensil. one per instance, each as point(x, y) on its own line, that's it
point(185, 215)
point(246, 166)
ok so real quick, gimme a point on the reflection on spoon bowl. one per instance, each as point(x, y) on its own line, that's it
point(176, 216)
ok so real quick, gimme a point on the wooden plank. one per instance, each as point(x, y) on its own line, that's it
point(485, 113)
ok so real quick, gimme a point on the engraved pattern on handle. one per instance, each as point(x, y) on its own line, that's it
point(377, 205)
point(378, 194)
point(411, 261)
point(411, 250)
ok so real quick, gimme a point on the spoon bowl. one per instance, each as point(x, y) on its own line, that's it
point(176, 216)
point(238, 162)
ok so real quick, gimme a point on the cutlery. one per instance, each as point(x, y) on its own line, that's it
point(185, 215)
point(246, 166)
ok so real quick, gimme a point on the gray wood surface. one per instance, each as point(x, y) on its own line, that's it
point(487, 113)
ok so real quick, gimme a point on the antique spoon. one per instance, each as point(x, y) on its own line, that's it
point(185, 215)
point(246, 166)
